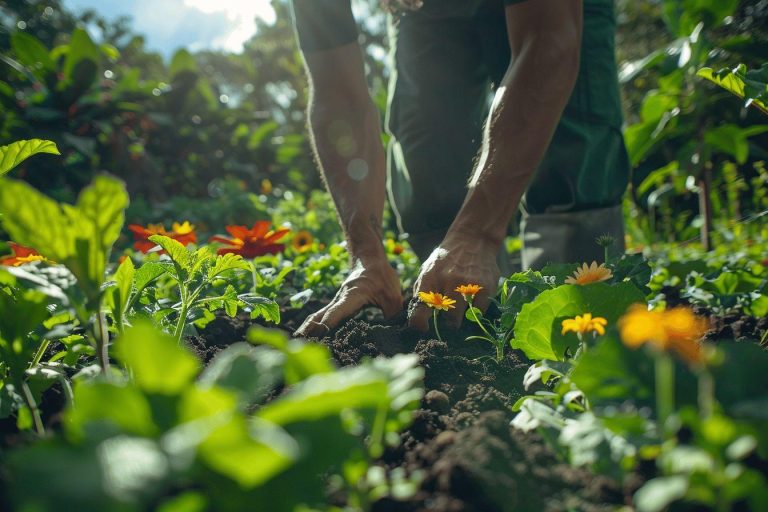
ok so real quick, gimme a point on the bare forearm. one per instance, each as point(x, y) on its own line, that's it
point(525, 112)
point(346, 136)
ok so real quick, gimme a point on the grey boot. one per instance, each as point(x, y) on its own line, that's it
point(570, 237)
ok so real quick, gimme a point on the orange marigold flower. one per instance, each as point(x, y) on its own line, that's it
point(250, 243)
point(183, 233)
point(590, 274)
point(468, 290)
point(437, 300)
point(21, 255)
point(676, 329)
point(583, 324)
point(302, 241)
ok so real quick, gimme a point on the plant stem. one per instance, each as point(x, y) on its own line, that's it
point(102, 343)
point(177, 333)
point(33, 409)
point(434, 320)
point(665, 391)
point(706, 393)
point(40, 352)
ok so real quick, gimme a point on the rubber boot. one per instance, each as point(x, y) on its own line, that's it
point(570, 237)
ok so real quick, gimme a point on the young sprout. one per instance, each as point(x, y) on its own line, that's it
point(437, 301)
point(605, 241)
point(468, 291)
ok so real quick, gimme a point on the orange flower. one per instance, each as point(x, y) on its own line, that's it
point(302, 241)
point(437, 300)
point(21, 255)
point(250, 243)
point(468, 290)
point(182, 233)
point(677, 330)
point(590, 274)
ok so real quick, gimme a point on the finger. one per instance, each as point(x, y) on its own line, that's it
point(344, 307)
point(312, 327)
point(391, 305)
point(418, 316)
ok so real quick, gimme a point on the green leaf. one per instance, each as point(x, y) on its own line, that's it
point(123, 406)
point(250, 371)
point(179, 254)
point(248, 454)
point(80, 49)
point(657, 494)
point(31, 52)
point(261, 307)
point(79, 237)
point(158, 364)
point(227, 262)
point(610, 372)
point(302, 360)
point(120, 292)
point(539, 324)
point(15, 153)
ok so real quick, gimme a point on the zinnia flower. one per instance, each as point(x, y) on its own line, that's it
point(468, 290)
point(590, 274)
point(183, 233)
point(302, 241)
point(437, 300)
point(583, 324)
point(21, 255)
point(250, 243)
point(676, 329)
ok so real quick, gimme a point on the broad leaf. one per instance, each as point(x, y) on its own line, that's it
point(539, 324)
point(158, 364)
point(15, 153)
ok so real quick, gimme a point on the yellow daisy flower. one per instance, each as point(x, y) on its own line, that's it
point(437, 300)
point(590, 274)
point(302, 241)
point(583, 324)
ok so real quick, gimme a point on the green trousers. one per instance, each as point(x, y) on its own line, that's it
point(446, 65)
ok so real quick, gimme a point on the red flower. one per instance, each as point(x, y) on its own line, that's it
point(250, 243)
point(182, 233)
point(20, 256)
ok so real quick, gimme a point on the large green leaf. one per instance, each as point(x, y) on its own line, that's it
point(31, 52)
point(79, 237)
point(124, 406)
point(158, 364)
point(751, 86)
point(80, 49)
point(539, 324)
point(15, 153)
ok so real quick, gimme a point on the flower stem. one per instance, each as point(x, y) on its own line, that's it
point(102, 343)
point(177, 333)
point(434, 320)
point(39, 427)
point(665, 391)
point(706, 394)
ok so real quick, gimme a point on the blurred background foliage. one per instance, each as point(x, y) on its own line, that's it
point(220, 138)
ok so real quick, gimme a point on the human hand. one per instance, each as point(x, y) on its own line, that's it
point(458, 260)
point(371, 283)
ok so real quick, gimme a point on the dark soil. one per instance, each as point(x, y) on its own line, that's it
point(460, 443)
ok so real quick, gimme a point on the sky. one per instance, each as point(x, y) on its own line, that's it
point(193, 24)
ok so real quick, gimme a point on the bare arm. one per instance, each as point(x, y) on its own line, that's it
point(545, 38)
point(346, 137)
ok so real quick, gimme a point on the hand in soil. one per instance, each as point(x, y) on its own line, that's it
point(450, 265)
point(369, 284)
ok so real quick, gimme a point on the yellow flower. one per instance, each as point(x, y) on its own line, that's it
point(302, 241)
point(677, 330)
point(437, 300)
point(182, 229)
point(583, 324)
point(468, 290)
point(266, 186)
point(590, 274)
